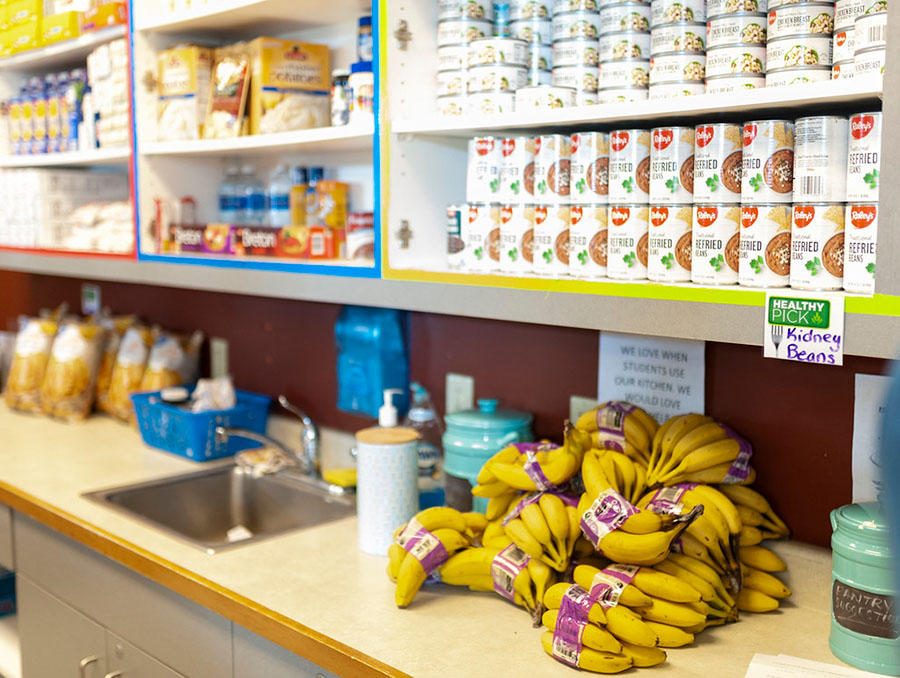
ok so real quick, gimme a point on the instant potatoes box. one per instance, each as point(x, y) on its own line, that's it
point(183, 92)
point(62, 26)
point(289, 85)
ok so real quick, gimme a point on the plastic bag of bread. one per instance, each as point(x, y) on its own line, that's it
point(115, 329)
point(131, 361)
point(174, 360)
point(29, 362)
point(67, 390)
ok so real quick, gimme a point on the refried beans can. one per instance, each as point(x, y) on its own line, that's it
point(765, 245)
point(820, 159)
point(629, 166)
point(483, 172)
point(481, 234)
point(717, 163)
point(817, 246)
point(716, 244)
point(864, 157)
point(672, 11)
point(551, 240)
point(628, 242)
point(671, 166)
point(516, 239)
point(743, 28)
point(861, 221)
point(552, 168)
point(669, 247)
point(516, 170)
point(588, 239)
point(801, 18)
point(768, 162)
point(589, 175)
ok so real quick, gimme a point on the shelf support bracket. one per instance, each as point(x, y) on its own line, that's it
point(404, 234)
point(402, 34)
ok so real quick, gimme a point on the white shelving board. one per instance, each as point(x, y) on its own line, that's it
point(61, 54)
point(100, 156)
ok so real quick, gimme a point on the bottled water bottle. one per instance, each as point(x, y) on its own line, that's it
point(278, 197)
point(228, 199)
point(252, 199)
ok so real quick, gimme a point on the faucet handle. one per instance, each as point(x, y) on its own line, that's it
point(293, 409)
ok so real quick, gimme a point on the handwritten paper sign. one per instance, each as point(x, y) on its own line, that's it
point(786, 666)
point(804, 327)
point(868, 410)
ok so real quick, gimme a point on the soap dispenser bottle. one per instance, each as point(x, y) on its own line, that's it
point(387, 413)
point(423, 419)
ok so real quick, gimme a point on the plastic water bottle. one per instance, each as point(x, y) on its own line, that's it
point(278, 197)
point(228, 199)
point(423, 419)
point(252, 199)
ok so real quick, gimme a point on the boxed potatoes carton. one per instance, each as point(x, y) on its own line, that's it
point(182, 92)
point(24, 36)
point(19, 12)
point(63, 26)
point(289, 85)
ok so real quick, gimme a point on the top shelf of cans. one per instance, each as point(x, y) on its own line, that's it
point(498, 58)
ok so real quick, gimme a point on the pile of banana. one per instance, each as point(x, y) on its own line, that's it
point(627, 538)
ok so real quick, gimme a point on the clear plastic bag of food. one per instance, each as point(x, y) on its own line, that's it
point(174, 360)
point(228, 98)
point(115, 330)
point(67, 389)
point(131, 362)
point(29, 362)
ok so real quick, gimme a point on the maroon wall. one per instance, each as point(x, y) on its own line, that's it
point(799, 417)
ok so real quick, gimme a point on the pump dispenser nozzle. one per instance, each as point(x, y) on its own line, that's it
point(387, 413)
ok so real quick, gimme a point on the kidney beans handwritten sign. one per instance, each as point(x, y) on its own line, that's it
point(807, 328)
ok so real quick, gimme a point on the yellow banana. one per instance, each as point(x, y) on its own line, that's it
point(476, 523)
point(553, 599)
point(645, 522)
point(495, 488)
point(542, 578)
point(690, 546)
point(676, 614)
point(522, 537)
point(625, 470)
point(438, 517)
point(593, 475)
point(706, 590)
point(765, 583)
point(396, 554)
point(680, 427)
point(497, 507)
point(701, 436)
point(715, 453)
point(557, 518)
point(411, 575)
point(750, 516)
point(637, 549)
point(628, 627)
point(671, 636)
point(473, 561)
point(593, 636)
point(643, 656)
point(534, 520)
point(561, 465)
point(507, 455)
point(492, 534)
point(750, 536)
point(762, 558)
point(709, 476)
point(705, 571)
point(662, 585)
point(574, 528)
point(751, 600)
point(647, 421)
point(631, 596)
point(640, 483)
point(657, 444)
point(591, 660)
point(741, 494)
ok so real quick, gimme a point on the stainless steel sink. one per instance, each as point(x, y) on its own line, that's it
point(227, 506)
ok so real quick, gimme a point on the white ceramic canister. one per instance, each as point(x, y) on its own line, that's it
point(671, 166)
point(588, 239)
point(540, 56)
point(817, 246)
point(870, 30)
point(861, 222)
point(718, 161)
point(552, 168)
point(767, 174)
point(530, 9)
point(679, 67)
point(589, 176)
point(716, 8)
point(736, 60)
point(627, 246)
point(455, 31)
point(551, 240)
point(625, 74)
point(799, 50)
point(845, 13)
point(477, 233)
point(490, 103)
point(576, 52)
point(496, 78)
point(516, 224)
point(864, 157)
point(562, 6)
point(483, 169)
point(680, 37)
point(668, 90)
point(579, 78)
point(781, 77)
point(734, 83)
point(742, 28)
point(869, 62)
point(453, 57)
point(497, 51)
point(625, 16)
point(820, 159)
point(621, 45)
point(669, 246)
point(673, 11)
point(765, 245)
point(801, 18)
point(516, 170)
point(387, 489)
point(469, 9)
point(843, 70)
point(629, 166)
point(622, 95)
point(576, 25)
point(451, 83)
point(716, 244)
point(843, 46)
point(544, 97)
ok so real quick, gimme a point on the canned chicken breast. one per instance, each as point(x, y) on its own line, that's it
point(667, 90)
point(625, 16)
point(736, 59)
point(742, 28)
point(624, 45)
point(673, 11)
point(804, 18)
point(805, 50)
point(680, 37)
point(677, 67)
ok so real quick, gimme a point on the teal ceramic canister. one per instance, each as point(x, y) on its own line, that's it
point(864, 630)
point(470, 439)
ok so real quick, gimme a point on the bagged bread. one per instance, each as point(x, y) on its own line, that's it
point(115, 329)
point(67, 389)
point(174, 360)
point(29, 362)
point(131, 361)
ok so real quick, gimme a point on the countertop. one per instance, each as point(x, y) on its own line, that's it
point(320, 597)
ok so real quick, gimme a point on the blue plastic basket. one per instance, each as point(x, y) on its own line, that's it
point(193, 435)
point(7, 592)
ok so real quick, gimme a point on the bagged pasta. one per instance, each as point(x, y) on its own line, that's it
point(131, 361)
point(174, 360)
point(29, 362)
point(115, 329)
point(67, 389)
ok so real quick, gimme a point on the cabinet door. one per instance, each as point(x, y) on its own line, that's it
point(129, 662)
point(254, 656)
point(55, 639)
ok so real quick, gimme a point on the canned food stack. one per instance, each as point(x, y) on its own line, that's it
point(799, 47)
point(576, 48)
point(869, 34)
point(625, 49)
point(517, 210)
point(736, 45)
point(671, 204)
point(480, 227)
point(861, 216)
point(629, 197)
point(677, 48)
point(588, 198)
point(459, 23)
point(552, 178)
point(843, 39)
point(531, 22)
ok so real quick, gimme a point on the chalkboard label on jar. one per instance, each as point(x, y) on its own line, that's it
point(871, 614)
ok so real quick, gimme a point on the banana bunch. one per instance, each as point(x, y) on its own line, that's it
point(622, 427)
point(604, 469)
point(546, 528)
point(417, 542)
point(692, 448)
point(756, 513)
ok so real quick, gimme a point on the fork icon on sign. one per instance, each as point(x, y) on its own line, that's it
point(777, 336)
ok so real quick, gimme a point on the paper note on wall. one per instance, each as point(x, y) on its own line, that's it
point(664, 376)
point(868, 410)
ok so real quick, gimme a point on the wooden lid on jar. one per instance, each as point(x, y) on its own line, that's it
point(378, 435)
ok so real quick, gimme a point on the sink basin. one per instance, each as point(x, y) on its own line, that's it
point(226, 506)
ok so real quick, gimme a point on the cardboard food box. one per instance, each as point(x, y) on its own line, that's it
point(20, 12)
point(183, 92)
point(24, 37)
point(58, 27)
point(289, 85)
point(110, 14)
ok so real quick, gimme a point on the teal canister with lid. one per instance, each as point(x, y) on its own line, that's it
point(470, 439)
point(864, 629)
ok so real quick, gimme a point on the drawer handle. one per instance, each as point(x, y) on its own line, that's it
point(114, 674)
point(84, 663)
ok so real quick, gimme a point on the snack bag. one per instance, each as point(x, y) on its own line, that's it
point(228, 98)
point(174, 360)
point(131, 361)
point(29, 362)
point(115, 329)
point(67, 390)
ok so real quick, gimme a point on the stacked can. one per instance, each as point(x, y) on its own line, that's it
point(588, 197)
point(820, 190)
point(497, 67)
point(843, 40)
point(530, 22)
point(869, 33)
point(671, 197)
point(576, 33)
point(677, 47)
point(624, 51)
point(629, 197)
point(480, 231)
point(861, 216)
point(718, 161)
point(736, 46)
point(459, 23)
point(552, 173)
point(800, 43)
point(516, 196)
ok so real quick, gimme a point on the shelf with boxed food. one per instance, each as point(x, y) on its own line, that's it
point(70, 52)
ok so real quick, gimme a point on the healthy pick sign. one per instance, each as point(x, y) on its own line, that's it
point(804, 327)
